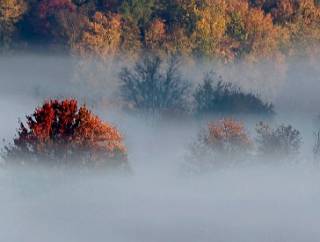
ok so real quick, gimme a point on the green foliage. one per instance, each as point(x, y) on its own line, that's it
point(154, 85)
point(215, 96)
point(138, 11)
point(236, 28)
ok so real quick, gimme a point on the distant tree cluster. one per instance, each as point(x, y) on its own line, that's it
point(59, 133)
point(283, 141)
point(222, 143)
point(223, 29)
point(226, 143)
point(216, 96)
point(157, 86)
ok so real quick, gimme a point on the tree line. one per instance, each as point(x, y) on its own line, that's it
point(223, 29)
point(157, 86)
point(62, 134)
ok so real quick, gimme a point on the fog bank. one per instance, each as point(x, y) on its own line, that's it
point(157, 202)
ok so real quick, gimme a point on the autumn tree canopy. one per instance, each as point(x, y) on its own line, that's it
point(61, 133)
point(227, 30)
point(222, 143)
point(11, 11)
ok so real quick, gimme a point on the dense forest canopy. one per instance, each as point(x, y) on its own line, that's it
point(222, 29)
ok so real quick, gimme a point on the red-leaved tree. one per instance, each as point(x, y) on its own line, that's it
point(60, 132)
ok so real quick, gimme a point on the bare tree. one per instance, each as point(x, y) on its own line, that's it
point(281, 142)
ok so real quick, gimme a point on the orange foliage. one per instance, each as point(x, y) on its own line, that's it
point(304, 29)
point(179, 42)
point(59, 131)
point(284, 11)
point(253, 33)
point(228, 135)
point(155, 35)
point(165, 42)
point(102, 37)
point(130, 39)
point(223, 143)
point(226, 30)
point(11, 11)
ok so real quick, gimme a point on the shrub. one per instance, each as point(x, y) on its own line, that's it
point(154, 85)
point(60, 133)
point(281, 142)
point(316, 146)
point(216, 96)
point(224, 142)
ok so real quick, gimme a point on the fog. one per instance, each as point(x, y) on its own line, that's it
point(157, 201)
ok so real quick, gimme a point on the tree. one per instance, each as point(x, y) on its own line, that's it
point(154, 86)
point(138, 11)
point(210, 28)
point(52, 16)
point(102, 37)
point(155, 36)
point(215, 96)
point(11, 11)
point(281, 142)
point(224, 142)
point(251, 32)
point(130, 43)
point(304, 29)
point(316, 146)
point(71, 25)
point(178, 42)
point(60, 133)
point(179, 14)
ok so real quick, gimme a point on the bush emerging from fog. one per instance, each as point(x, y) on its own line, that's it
point(61, 133)
point(215, 96)
point(222, 143)
point(281, 142)
point(316, 146)
point(154, 86)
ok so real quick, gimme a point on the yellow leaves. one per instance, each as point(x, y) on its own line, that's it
point(179, 42)
point(304, 30)
point(227, 26)
point(155, 35)
point(163, 42)
point(262, 35)
point(11, 11)
point(257, 36)
point(102, 36)
point(223, 29)
point(211, 26)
